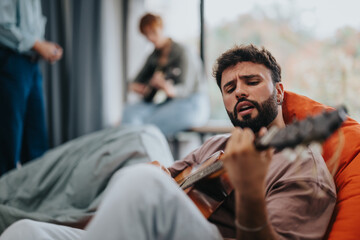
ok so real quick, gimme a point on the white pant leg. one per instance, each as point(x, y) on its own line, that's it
point(33, 230)
point(142, 202)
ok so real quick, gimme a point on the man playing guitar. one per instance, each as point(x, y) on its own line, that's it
point(272, 198)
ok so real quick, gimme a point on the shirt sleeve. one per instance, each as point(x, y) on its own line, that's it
point(21, 24)
point(147, 70)
point(192, 74)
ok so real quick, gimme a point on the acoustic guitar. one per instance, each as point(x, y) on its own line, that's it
point(207, 184)
point(169, 72)
point(155, 95)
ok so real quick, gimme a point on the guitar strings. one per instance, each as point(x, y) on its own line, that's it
point(191, 179)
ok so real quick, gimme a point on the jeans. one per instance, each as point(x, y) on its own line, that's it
point(23, 135)
point(141, 202)
point(172, 116)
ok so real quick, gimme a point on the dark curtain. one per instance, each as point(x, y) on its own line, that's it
point(73, 86)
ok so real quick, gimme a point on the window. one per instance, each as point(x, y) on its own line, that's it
point(181, 18)
point(317, 44)
point(181, 22)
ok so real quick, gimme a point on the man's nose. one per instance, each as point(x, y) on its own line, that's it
point(241, 91)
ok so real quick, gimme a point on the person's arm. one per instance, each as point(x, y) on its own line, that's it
point(172, 78)
point(23, 39)
point(14, 16)
point(189, 74)
point(147, 70)
point(140, 84)
point(49, 51)
point(139, 88)
point(158, 81)
point(247, 170)
point(299, 198)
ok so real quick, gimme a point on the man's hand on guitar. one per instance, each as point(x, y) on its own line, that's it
point(246, 166)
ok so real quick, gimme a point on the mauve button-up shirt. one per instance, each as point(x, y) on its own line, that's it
point(300, 195)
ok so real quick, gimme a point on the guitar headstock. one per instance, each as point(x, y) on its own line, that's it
point(312, 129)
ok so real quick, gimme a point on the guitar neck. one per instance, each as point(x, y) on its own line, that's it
point(207, 185)
point(312, 129)
point(193, 178)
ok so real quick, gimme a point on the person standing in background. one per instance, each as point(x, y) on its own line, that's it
point(23, 134)
point(172, 84)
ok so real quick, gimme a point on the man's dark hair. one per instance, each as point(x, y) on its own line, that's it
point(246, 53)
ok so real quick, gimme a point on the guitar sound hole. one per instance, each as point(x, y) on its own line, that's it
point(213, 187)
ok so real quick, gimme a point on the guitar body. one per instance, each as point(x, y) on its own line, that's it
point(150, 93)
point(209, 192)
point(205, 203)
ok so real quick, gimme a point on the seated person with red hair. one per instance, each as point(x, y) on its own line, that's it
point(172, 84)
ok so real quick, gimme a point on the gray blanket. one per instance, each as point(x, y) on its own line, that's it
point(66, 184)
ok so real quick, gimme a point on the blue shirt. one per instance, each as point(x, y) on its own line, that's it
point(21, 24)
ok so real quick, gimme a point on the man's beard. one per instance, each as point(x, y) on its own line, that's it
point(267, 112)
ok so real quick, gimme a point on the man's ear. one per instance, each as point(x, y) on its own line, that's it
point(279, 92)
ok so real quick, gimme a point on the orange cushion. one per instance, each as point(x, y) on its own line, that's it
point(346, 167)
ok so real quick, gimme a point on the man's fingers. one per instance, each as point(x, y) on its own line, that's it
point(262, 131)
point(241, 141)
